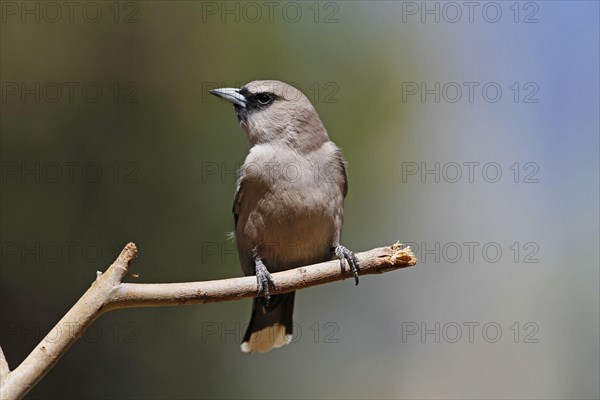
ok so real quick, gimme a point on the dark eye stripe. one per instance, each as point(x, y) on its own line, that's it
point(264, 98)
point(245, 92)
point(257, 101)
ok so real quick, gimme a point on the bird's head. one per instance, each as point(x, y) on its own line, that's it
point(273, 111)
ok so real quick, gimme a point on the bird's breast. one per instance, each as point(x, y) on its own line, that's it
point(287, 214)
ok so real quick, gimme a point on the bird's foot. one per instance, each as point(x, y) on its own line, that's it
point(344, 254)
point(263, 280)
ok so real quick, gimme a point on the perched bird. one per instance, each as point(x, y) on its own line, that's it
point(289, 203)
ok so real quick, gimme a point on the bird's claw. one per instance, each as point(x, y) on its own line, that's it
point(344, 254)
point(263, 280)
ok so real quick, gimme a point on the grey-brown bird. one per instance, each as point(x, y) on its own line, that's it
point(289, 204)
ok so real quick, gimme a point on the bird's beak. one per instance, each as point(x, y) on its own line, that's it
point(231, 95)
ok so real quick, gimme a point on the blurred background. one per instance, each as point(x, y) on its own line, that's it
point(471, 133)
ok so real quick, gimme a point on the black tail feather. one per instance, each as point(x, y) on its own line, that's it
point(278, 316)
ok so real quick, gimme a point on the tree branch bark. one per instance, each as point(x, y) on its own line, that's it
point(108, 293)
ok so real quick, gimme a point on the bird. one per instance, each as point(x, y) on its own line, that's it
point(289, 202)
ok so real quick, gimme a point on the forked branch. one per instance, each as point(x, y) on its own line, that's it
point(109, 293)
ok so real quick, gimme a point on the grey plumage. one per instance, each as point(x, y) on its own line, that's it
point(288, 207)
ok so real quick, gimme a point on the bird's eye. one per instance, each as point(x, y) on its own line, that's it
point(264, 98)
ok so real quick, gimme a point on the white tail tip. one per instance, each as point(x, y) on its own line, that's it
point(266, 339)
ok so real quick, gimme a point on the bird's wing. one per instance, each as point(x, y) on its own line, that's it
point(342, 166)
point(236, 202)
point(242, 243)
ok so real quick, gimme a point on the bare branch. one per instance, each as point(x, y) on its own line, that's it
point(4, 370)
point(108, 293)
point(56, 343)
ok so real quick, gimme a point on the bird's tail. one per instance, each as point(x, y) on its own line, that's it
point(270, 327)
